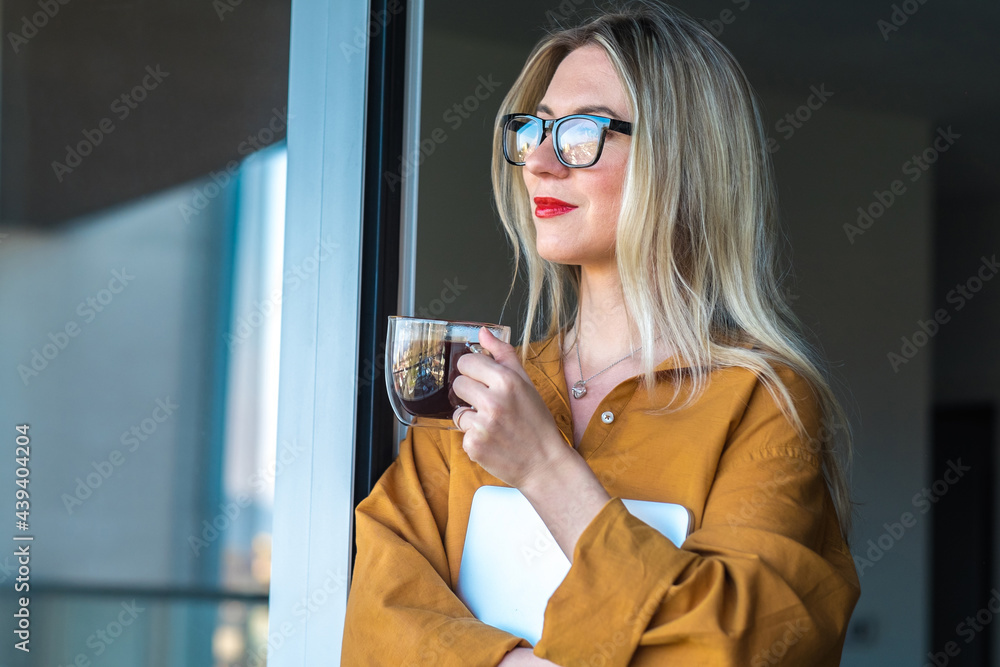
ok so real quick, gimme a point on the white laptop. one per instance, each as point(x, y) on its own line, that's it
point(511, 564)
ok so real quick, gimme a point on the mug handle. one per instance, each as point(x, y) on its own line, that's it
point(476, 348)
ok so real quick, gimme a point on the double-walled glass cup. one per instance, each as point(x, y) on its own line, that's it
point(421, 363)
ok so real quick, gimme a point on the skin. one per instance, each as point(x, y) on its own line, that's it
point(511, 433)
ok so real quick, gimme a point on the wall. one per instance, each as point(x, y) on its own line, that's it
point(966, 356)
point(455, 205)
point(859, 298)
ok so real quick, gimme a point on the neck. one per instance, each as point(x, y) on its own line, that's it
point(605, 330)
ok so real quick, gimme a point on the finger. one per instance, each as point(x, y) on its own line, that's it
point(482, 367)
point(488, 374)
point(470, 390)
point(459, 413)
point(503, 353)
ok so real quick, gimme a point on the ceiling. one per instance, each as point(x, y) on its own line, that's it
point(942, 64)
point(221, 81)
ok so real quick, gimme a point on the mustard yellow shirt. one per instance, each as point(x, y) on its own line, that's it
point(764, 577)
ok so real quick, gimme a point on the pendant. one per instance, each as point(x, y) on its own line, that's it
point(579, 389)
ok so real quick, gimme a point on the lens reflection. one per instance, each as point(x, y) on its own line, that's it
point(521, 138)
point(578, 140)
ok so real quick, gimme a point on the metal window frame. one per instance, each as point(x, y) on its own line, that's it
point(348, 120)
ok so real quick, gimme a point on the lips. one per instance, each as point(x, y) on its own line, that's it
point(550, 207)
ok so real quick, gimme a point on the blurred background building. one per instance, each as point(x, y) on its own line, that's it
point(142, 177)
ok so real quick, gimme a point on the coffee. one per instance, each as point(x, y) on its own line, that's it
point(424, 378)
point(421, 363)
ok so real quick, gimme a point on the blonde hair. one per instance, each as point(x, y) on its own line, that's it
point(696, 241)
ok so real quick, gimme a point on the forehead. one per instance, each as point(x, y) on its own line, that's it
point(585, 79)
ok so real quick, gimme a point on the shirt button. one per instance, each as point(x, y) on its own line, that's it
point(608, 417)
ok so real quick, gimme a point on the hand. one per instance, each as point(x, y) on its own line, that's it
point(512, 435)
point(522, 656)
point(510, 432)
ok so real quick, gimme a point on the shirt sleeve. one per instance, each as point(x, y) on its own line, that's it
point(401, 609)
point(766, 577)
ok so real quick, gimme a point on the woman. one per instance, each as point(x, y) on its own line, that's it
point(670, 370)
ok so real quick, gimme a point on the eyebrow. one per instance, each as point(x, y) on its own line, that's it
point(597, 110)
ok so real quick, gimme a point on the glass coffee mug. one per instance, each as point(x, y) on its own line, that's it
point(421, 362)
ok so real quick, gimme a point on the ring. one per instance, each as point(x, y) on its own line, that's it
point(459, 411)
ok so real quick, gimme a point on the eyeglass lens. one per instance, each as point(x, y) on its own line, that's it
point(577, 139)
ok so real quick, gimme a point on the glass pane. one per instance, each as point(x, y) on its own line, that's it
point(132, 630)
point(142, 181)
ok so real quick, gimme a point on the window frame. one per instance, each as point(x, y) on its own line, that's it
point(353, 108)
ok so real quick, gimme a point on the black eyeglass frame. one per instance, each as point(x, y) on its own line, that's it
point(551, 127)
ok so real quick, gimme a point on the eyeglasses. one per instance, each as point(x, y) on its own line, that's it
point(578, 139)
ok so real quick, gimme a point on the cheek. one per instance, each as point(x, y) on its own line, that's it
point(607, 192)
point(613, 164)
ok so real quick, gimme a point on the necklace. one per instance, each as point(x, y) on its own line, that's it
point(580, 386)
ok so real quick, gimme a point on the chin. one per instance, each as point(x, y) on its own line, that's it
point(556, 254)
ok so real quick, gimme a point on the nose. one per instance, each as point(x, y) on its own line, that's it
point(543, 159)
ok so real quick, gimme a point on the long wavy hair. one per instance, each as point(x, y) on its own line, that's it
point(697, 238)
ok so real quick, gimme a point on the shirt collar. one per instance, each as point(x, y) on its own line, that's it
point(544, 366)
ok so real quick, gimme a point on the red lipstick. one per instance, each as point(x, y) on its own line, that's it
point(549, 207)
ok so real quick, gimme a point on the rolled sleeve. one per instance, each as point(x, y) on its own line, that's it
point(586, 617)
point(401, 608)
